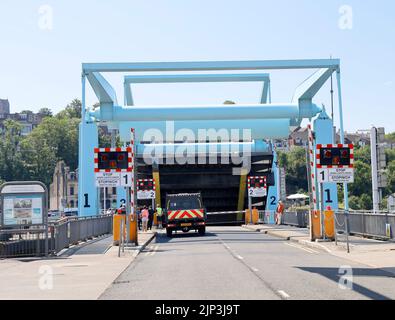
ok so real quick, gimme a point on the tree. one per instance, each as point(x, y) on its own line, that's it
point(294, 163)
point(45, 112)
point(72, 110)
point(38, 160)
point(10, 162)
point(61, 136)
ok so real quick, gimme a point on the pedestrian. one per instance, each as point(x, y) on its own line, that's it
point(144, 218)
point(279, 212)
point(139, 209)
point(159, 215)
point(150, 217)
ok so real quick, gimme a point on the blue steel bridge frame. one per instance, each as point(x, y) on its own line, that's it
point(266, 120)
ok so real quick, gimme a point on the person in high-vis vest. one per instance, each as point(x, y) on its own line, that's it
point(279, 212)
point(159, 215)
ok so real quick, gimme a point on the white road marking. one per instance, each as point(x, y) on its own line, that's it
point(301, 248)
point(154, 250)
point(255, 269)
point(240, 257)
point(283, 294)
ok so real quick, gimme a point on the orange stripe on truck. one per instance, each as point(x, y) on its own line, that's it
point(184, 214)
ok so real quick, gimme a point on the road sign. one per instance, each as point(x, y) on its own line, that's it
point(146, 194)
point(113, 160)
point(323, 175)
point(257, 192)
point(113, 179)
point(146, 189)
point(257, 187)
point(335, 175)
point(341, 175)
point(335, 156)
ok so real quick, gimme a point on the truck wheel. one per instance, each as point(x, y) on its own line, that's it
point(169, 232)
point(202, 231)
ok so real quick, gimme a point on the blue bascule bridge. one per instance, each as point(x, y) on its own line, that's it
point(211, 149)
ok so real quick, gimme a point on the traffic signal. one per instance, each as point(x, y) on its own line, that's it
point(256, 182)
point(146, 185)
point(113, 159)
point(335, 156)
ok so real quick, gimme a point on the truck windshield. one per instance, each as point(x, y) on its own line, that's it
point(183, 203)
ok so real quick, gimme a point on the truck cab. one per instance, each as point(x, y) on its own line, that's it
point(185, 212)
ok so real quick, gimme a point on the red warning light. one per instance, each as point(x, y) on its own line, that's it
point(336, 160)
point(345, 154)
point(113, 164)
point(328, 154)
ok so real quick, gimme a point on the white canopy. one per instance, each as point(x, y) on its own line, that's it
point(298, 197)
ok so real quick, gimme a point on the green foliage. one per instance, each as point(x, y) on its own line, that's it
point(34, 157)
point(10, 161)
point(72, 110)
point(46, 112)
point(294, 163)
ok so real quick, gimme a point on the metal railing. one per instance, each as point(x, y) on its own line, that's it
point(62, 234)
point(379, 226)
point(361, 223)
point(23, 242)
point(71, 231)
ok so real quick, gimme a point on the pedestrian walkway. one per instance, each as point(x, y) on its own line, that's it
point(373, 253)
point(83, 274)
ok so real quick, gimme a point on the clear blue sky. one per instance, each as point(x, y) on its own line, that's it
point(41, 68)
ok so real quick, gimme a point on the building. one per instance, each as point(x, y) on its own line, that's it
point(4, 107)
point(63, 191)
point(28, 120)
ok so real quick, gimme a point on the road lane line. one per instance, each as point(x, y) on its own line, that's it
point(283, 294)
point(154, 250)
point(301, 248)
point(253, 270)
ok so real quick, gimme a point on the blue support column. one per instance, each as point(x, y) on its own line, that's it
point(273, 196)
point(87, 191)
point(323, 128)
point(88, 140)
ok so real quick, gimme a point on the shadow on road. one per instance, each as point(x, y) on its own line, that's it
point(334, 275)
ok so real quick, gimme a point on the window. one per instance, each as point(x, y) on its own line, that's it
point(71, 191)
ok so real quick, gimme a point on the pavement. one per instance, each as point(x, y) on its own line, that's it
point(234, 263)
point(373, 253)
point(82, 272)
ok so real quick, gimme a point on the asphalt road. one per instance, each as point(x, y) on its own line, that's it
point(234, 263)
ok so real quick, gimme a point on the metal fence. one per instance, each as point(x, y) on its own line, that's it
point(22, 243)
point(379, 226)
point(62, 234)
point(361, 223)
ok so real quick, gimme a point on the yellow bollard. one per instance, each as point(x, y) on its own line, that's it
point(329, 224)
point(116, 228)
point(315, 225)
point(255, 216)
point(133, 234)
